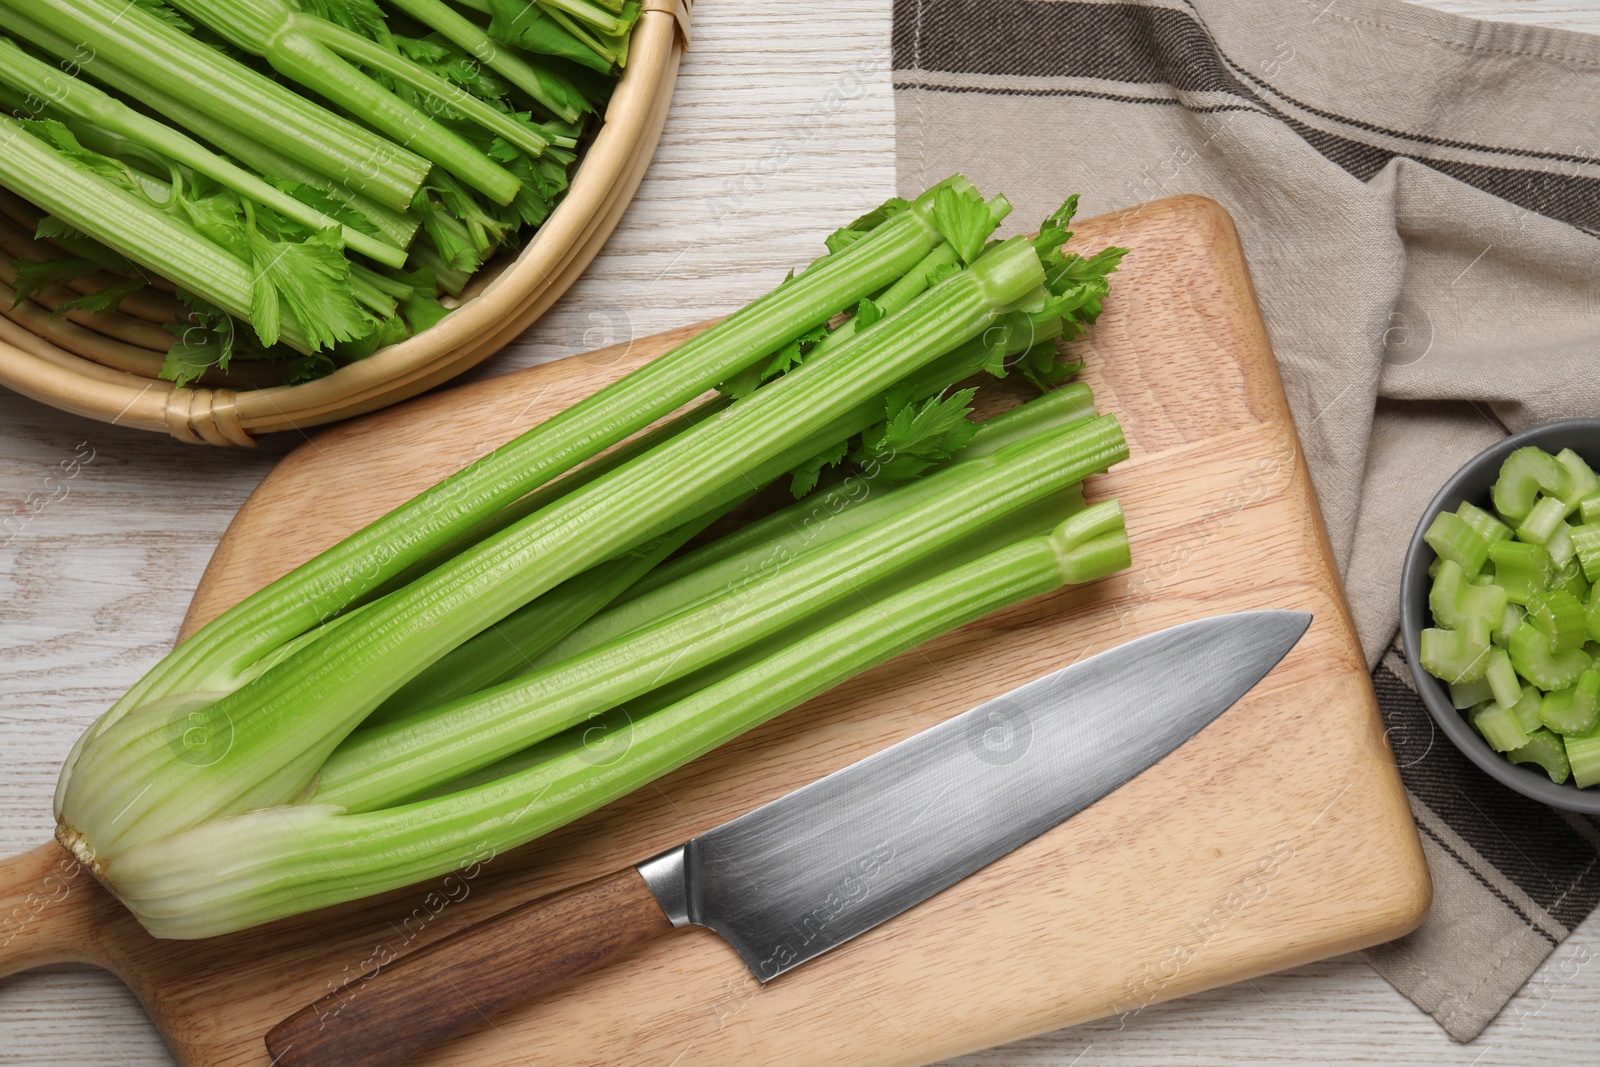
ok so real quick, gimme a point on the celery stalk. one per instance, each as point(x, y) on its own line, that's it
point(344, 576)
point(379, 766)
point(1489, 528)
point(1539, 525)
point(132, 39)
point(1453, 538)
point(314, 698)
point(1502, 678)
point(296, 858)
point(1561, 617)
point(124, 222)
point(1461, 655)
point(1536, 661)
point(1522, 570)
point(1523, 476)
point(1545, 749)
point(1452, 599)
point(393, 226)
point(556, 93)
point(1060, 409)
point(544, 627)
point(1583, 755)
point(1499, 727)
point(709, 573)
point(83, 101)
point(1574, 709)
point(511, 646)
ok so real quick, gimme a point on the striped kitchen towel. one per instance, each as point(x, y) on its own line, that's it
point(1419, 198)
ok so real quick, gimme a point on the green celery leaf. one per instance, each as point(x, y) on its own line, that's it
point(390, 331)
point(107, 299)
point(184, 363)
point(914, 436)
point(449, 237)
point(310, 280)
point(846, 236)
point(439, 56)
point(1073, 270)
point(939, 273)
point(51, 227)
point(794, 353)
point(320, 199)
point(962, 218)
point(742, 384)
point(308, 368)
point(520, 23)
point(220, 218)
point(1040, 366)
point(206, 338)
point(34, 275)
point(56, 134)
point(867, 313)
point(1053, 232)
point(362, 16)
point(165, 14)
point(839, 240)
point(804, 478)
point(422, 310)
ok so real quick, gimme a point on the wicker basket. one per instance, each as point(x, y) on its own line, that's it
point(105, 366)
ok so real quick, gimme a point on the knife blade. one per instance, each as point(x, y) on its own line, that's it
point(808, 871)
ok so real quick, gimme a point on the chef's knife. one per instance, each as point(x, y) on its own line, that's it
point(810, 870)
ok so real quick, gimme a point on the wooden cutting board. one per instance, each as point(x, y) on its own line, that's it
point(1277, 836)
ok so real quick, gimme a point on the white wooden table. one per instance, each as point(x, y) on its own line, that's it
point(782, 128)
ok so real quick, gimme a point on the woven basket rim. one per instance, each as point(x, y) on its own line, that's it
point(495, 312)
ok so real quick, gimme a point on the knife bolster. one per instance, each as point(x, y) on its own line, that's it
point(668, 880)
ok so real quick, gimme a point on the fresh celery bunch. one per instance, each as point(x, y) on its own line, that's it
point(312, 212)
point(277, 707)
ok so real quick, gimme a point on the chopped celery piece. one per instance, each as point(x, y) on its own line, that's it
point(1547, 750)
point(1583, 482)
point(1560, 616)
point(1533, 658)
point(1524, 473)
point(1499, 727)
point(1501, 678)
point(1586, 543)
point(1559, 545)
point(1540, 523)
point(1593, 612)
point(1453, 600)
point(1576, 709)
point(1452, 537)
point(1570, 577)
point(1462, 655)
point(1583, 754)
point(1464, 695)
point(1489, 528)
point(1521, 570)
point(1589, 508)
point(1509, 619)
point(1526, 709)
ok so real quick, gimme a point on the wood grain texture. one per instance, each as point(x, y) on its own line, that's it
point(1277, 836)
point(756, 162)
point(467, 979)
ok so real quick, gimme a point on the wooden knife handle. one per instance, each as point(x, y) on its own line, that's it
point(461, 980)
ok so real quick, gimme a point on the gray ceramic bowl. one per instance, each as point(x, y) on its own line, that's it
point(1472, 483)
